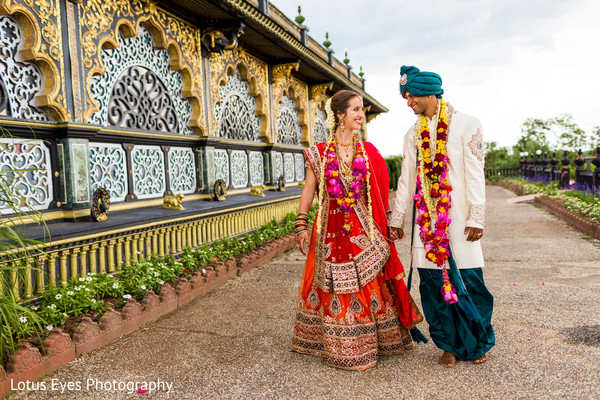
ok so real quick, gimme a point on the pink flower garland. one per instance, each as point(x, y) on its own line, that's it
point(335, 187)
point(435, 174)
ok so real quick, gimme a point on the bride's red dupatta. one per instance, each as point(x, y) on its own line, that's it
point(408, 312)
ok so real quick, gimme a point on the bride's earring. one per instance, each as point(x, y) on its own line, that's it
point(342, 125)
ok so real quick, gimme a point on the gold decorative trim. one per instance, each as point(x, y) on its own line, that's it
point(284, 84)
point(318, 99)
point(253, 71)
point(102, 22)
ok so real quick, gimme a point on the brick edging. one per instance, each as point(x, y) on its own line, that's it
point(586, 226)
point(28, 364)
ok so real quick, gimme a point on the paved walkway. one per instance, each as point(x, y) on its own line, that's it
point(234, 342)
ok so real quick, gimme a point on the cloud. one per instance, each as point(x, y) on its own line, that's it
point(503, 61)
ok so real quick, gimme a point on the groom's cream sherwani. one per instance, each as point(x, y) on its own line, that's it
point(467, 178)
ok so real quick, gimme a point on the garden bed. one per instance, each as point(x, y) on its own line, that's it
point(33, 360)
point(578, 209)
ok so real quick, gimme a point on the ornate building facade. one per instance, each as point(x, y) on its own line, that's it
point(146, 99)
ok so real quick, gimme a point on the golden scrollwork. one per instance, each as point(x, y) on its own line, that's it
point(318, 99)
point(285, 84)
point(253, 71)
point(42, 45)
point(103, 19)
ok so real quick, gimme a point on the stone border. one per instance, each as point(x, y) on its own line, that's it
point(573, 219)
point(28, 364)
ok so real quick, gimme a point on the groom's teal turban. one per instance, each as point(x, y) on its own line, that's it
point(419, 83)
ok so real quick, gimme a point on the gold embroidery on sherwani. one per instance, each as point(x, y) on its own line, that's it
point(476, 213)
point(476, 145)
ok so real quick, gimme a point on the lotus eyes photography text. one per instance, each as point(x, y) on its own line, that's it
point(56, 385)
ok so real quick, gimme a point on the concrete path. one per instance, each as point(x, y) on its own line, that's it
point(234, 342)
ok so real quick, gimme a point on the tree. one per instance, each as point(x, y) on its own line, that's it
point(570, 136)
point(499, 157)
point(559, 132)
point(595, 137)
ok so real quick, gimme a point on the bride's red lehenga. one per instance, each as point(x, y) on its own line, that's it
point(347, 312)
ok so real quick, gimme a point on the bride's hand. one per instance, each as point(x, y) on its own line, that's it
point(302, 241)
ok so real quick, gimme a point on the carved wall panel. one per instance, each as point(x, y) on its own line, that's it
point(108, 169)
point(33, 188)
point(239, 169)
point(148, 171)
point(289, 167)
point(222, 166)
point(278, 165)
point(288, 123)
point(251, 70)
point(179, 42)
point(182, 170)
point(236, 113)
point(299, 166)
point(317, 108)
point(320, 133)
point(287, 86)
point(44, 48)
point(257, 170)
point(139, 90)
point(20, 82)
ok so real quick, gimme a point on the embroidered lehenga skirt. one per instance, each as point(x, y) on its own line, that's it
point(346, 313)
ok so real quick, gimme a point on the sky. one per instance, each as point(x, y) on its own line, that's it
point(502, 61)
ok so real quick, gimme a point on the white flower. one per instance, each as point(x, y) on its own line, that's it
point(143, 287)
point(52, 306)
point(88, 279)
point(126, 296)
point(81, 279)
point(65, 315)
point(49, 327)
point(70, 293)
point(77, 288)
point(23, 319)
point(94, 301)
point(203, 271)
point(58, 296)
point(156, 274)
point(116, 286)
point(87, 289)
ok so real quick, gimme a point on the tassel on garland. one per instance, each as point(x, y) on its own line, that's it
point(448, 291)
point(418, 336)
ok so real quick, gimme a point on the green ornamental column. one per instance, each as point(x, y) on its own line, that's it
point(206, 162)
point(73, 160)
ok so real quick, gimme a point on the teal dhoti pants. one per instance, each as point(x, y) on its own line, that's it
point(450, 327)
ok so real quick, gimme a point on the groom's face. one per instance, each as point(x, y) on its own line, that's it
point(420, 104)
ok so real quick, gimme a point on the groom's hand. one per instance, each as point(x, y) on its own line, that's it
point(396, 233)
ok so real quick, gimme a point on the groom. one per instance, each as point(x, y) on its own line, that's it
point(447, 145)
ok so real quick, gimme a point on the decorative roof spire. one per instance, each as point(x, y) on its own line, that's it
point(327, 43)
point(346, 59)
point(299, 18)
point(361, 73)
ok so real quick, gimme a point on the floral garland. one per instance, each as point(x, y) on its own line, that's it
point(333, 176)
point(433, 197)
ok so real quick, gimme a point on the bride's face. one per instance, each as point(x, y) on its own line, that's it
point(355, 114)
